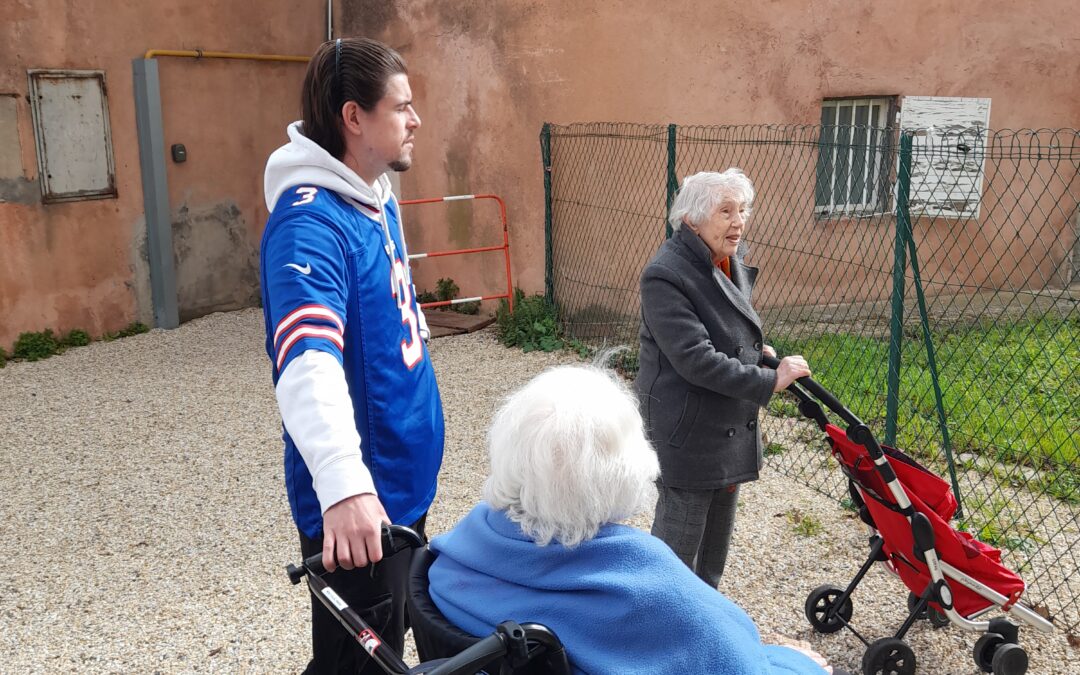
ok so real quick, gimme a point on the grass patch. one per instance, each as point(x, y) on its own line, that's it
point(991, 522)
point(1010, 391)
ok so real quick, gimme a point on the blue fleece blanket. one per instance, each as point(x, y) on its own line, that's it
point(620, 602)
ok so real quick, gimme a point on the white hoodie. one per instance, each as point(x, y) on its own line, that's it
point(312, 393)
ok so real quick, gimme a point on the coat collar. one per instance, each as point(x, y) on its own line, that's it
point(737, 288)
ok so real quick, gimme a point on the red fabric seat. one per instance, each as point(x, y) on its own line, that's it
point(933, 497)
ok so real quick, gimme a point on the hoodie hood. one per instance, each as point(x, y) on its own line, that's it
point(302, 161)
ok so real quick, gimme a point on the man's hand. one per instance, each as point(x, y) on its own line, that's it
point(767, 350)
point(352, 529)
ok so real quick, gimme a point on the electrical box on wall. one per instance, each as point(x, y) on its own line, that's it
point(71, 129)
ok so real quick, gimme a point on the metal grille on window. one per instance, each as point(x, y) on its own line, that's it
point(852, 163)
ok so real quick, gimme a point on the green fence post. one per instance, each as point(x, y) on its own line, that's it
point(549, 267)
point(672, 179)
point(931, 360)
point(896, 324)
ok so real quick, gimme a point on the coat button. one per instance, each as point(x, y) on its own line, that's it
point(757, 346)
point(731, 432)
point(739, 350)
point(751, 425)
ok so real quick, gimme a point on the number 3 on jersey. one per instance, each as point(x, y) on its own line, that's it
point(412, 350)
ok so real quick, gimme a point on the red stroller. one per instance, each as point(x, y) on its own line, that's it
point(952, 577)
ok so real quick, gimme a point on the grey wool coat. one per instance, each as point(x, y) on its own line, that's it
point(699, 381)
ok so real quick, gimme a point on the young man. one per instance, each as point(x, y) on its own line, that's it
point(363, 423)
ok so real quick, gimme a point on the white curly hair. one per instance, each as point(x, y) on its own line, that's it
point(703, 192)
point(568, 454)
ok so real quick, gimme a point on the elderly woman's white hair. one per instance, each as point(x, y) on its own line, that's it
point(701, 193)
point(568, 454)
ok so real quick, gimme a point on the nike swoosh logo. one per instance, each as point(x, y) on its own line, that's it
point(305, 270)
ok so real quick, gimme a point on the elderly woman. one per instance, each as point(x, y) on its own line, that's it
point(569, 460)
point(700, 381)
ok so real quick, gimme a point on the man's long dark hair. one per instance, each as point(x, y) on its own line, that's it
point(347, 69)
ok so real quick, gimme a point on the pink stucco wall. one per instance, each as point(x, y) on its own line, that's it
point(487, 75)
point(83, 264)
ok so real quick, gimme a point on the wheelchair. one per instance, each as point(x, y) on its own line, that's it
point(444, 649)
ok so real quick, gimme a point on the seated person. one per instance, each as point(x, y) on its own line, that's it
point(569, 461)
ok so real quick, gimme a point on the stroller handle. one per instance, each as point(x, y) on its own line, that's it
point(394, 538)
point(820, 393)
point(857, 431)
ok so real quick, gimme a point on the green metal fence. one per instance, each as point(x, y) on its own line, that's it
point(929, 277)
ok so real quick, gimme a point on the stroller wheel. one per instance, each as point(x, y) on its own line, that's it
point(1010, 659)
point(819, 604)
point(937, 619)
point(888, 656)
point(912, 601)
point(985, 648)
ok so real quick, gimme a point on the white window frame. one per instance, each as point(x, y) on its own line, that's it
point(876, 163)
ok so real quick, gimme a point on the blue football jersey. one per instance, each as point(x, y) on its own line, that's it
point(329, 283)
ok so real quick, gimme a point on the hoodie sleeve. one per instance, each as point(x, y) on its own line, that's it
point(313, 397)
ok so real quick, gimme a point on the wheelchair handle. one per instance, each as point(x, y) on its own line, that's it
point(395, 538)
point(508, 637)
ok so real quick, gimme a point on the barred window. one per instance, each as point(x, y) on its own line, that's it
point(853, 156)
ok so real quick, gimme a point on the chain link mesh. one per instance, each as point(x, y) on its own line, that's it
point(932, 285)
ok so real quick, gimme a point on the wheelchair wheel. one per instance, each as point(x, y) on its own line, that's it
point(818, 604)
point(889, 656)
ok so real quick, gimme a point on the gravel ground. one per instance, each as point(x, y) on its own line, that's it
point(145, 527)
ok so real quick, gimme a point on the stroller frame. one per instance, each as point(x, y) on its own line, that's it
point(829, 608)
point(517, 644)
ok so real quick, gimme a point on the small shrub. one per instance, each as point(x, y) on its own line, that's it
point(804, 524)
point(75, 338)
point(447, 289)
point(3, 357)
point(583, 350)
point(773, 449)
point(532, 325)
point(424, 297)
point(134, 328)
point(472, 307)
point(36, 346)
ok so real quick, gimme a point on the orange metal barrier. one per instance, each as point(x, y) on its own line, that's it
point(505, 248)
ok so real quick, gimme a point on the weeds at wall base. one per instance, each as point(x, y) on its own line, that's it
point(35, 346)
